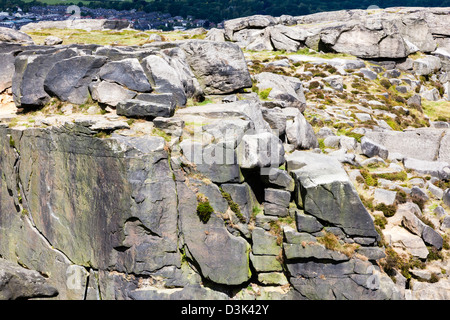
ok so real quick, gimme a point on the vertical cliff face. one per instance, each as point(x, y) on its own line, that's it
point(112, 218)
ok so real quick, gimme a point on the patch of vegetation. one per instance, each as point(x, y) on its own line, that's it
point(434, 254)
point(102, 135)
point(380, 221)
point(264, 94)
point(233, 205)
point(402, 176)
point(314, 85)
point(385, 83)
point(12, 143)
point(394, 262)
point(388, 210)
point(331, 242)
point(436, 109)
point(369, 179)
point(162, 134)
point(204, 209)
point(419, 201)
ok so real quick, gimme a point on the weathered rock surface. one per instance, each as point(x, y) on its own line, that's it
point(219, 66)
point(13, 36)
point(284, 91)
point(135, 108)
point(200, 205)
point(69, 79)
point(20, 283)
point(84, 24)
point(326, 192)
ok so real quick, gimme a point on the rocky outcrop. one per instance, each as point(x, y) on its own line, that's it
point(388, 34)
point(183, 170)
point(83, 24)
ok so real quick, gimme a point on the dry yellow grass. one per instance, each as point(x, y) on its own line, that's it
point(104, 37)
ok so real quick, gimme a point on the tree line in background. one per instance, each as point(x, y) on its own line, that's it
point(219, 10)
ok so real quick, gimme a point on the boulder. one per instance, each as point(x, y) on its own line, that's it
point(260, 41)
point(128, 73)
point(243, 196)
point(427, 65)
point(260, 150)
point(429, 291)
point(415, 101)
point(176, 58)
point(401, 238)
point(306, 222)
point(255, 22)
point(300, 133)
point(217, 35)
point(385, 196)
point(218, 162)
point(336, 82)
point(273, 209)
point(31, 70)
point(171, 126)
point(248, 110)
point(264, 243)
point(436, 169)
point(421, 144)
point(8, 35)
point(285, 38)
point(69, 79)
point(220, 67)
point(7, 56)
point(326, 192)
point(368, 44)
point(110, 93)
point(276, 119)
point(371, 149)
point(431, 95)
point(276, 196)
point(52, 41)
point(284, 91)
point(279, 178)
point(164, 78)
point(135, 108)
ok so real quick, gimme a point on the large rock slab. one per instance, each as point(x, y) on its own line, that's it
point(31, 70)
point(252, 22)
point(220, 67)
point(135, 108)
point(421, 144)
point(221, 257)
point(164, 78)
point(326, 192)
point(69, 79)
point(249, 110)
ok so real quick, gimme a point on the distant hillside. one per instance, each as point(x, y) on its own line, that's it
point(219, 10)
